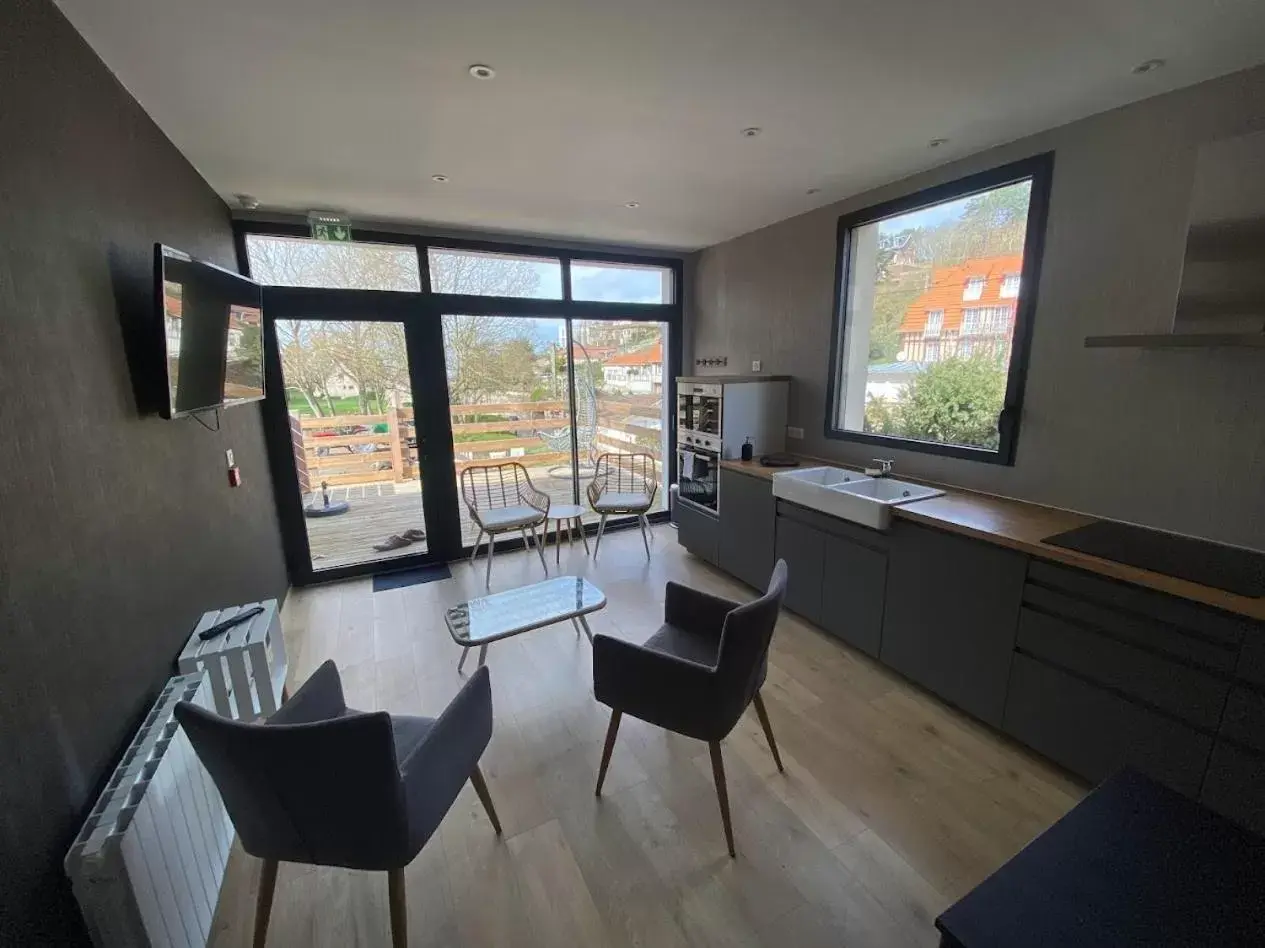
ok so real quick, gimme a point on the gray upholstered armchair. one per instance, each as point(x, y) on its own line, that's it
point(324, 784)
point(696, 675)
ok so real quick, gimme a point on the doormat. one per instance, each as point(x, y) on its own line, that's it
point(411, 577)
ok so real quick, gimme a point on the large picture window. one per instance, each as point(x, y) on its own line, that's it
point(935, 300)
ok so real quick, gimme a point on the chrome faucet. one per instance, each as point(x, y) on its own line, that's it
point(884, 468)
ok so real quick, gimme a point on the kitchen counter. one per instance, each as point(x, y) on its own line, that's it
point(729, 379)
point(1020, 525)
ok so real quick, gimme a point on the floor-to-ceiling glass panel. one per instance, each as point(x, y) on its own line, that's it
point(620, 394)
point(354, 438)
point(509, 396)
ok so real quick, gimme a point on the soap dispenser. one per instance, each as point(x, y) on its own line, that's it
point(748, 449)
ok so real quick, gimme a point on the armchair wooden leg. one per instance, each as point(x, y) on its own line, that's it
point(474, 550)
point(481, 788)
point(763, 715)
point(612, 729)
point(641, 522)
point(263, 900)
point(722, 793)
point(487, 579)
point(399, 909)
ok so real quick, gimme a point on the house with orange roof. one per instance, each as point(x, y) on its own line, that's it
point(639, 371)
point(968, 309)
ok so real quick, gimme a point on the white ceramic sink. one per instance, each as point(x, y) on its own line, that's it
point(811, 486)
point(855, 497)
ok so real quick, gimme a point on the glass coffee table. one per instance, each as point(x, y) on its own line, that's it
point(486, 619)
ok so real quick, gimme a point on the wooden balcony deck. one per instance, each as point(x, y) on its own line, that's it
point(379, 510)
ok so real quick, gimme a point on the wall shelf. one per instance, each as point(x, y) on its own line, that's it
point(1170, 340)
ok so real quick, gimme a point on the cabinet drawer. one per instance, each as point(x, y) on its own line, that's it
point(1208, 622)
point(1252, 658)
point(1244, 719)
point(1235, 786)
point(853, 592)
point(1093, 732)
point(833, 526)
point(1192, 695)
point(698, 532)
point(1134, 627)
point(804, 550)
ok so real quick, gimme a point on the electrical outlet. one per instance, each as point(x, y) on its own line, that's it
point(228, 456)
point(755, 365)
point(792, 432)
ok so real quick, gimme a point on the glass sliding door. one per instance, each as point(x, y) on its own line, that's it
point(509, 400)
point(358, 432)
point(354, 435)
point(621, 369)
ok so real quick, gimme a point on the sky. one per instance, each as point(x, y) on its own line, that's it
point(927, 217)
point(594, 283)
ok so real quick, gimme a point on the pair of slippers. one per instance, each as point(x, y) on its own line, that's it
point(397, 541)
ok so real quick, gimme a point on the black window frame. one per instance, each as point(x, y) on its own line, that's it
point(427, 306)
point(1040, 170)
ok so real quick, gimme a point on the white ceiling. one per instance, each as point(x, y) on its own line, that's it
point(354, 105)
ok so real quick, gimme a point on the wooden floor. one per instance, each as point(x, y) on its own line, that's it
point(891, 807)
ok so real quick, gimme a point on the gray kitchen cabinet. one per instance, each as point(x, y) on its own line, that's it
point(747, 527)
point(853, 594)
point(1094, 732)
point(804, 549)
point(951, 615)
point(1234, 785)
point(698, 532)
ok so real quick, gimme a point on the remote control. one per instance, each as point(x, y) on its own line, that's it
point(221, 627)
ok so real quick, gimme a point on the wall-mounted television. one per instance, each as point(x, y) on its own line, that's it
point(213, 343)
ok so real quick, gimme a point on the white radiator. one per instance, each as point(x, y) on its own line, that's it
point(148, 863)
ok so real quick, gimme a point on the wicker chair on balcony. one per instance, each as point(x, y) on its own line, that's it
point(502, 499)
point(623, 485)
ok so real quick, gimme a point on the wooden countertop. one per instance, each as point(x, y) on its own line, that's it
point(1021, 526)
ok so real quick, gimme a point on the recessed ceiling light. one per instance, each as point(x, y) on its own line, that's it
point(440, 178)
point(631, 204)
point(751, 132)
point(479, 71)
point(1149, 66)
point(937, 142)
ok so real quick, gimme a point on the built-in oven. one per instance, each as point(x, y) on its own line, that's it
point(697, 465)
point(698, 408)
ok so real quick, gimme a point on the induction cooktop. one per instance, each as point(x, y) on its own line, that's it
point(1229, 568)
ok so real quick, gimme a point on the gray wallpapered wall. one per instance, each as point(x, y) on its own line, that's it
point(1174, 440)
point(116, 530)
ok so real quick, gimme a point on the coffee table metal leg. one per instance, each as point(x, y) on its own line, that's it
point(579, 526)
point(464, 653)
point(557, 542)
point(483, 654)
point(585, 623)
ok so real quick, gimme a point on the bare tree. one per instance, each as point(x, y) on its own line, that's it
point(306, 362)
point(486, 355)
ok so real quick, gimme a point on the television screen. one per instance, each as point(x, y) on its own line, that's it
point(213, 333)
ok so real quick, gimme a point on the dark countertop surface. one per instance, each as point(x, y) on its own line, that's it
point(1134, 863)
